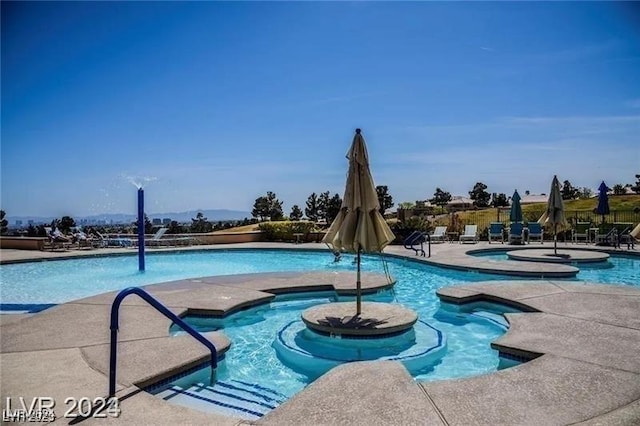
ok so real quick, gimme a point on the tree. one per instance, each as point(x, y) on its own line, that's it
point(174, 228)
point(148, 226)
point(275, 207)
point(636, 187)
point(479, 195)
point(323, 203)
point(296, 213)
point(312, 209)
point(585, 193)
point(261, 208)
point(332, 208)
point(32, 231)
point(499, 200)
point(440, 198)
point(619, 189)
point(3, 223)
point(268, 207)
point(200, 224)
point(384, 198)
point(568, 191)
point(66, 223)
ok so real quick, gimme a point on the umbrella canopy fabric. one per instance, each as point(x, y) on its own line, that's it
point(603, 200)
point(554, 214)
point(515, 215)
point(359, 224)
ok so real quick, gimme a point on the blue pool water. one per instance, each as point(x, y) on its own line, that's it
point(253, 370)
point(618, 269)
point(252, 366)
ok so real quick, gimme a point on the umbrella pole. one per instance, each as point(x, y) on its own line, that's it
point(358, 288)
point(555, 239)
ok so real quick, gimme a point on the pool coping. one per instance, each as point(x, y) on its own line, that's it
point(391, 395)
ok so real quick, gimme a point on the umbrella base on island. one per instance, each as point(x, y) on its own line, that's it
point(376, 319)
point(566, 256)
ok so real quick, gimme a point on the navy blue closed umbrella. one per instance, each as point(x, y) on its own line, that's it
point(515, 215)
point(603, 201)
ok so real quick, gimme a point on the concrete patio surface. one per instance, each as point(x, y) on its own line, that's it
point(583, 340)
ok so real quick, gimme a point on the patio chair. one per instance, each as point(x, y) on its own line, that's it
point(439, 234)
point(470, 234)
point(496, 230)
point(516, 233)
point(581, 231)
point(535, 231)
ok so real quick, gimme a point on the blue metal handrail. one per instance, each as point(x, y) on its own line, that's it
point(418, 237)
point(164, 311)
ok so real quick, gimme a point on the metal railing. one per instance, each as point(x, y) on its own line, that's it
point(418, 237)
point(164, 311)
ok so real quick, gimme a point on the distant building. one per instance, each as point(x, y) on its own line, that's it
point(156, 221)
point(18, 223)
point(533, 198)
point(166, 221)
point(459, 203)
point(422, 208)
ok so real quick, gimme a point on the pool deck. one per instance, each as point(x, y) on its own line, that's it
point(585, 340)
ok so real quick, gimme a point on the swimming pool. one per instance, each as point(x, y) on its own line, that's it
point(618, 269)
point(59, 281)
point(252, 359)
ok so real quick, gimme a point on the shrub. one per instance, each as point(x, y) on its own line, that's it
point(403, 229)
point(284, 230)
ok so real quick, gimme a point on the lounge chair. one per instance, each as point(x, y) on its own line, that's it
point(156, 240)
point(606, 235)
point(623, 234)
point(516, 233)
point(496, 230)
point(439, 234)
point(535, 231)
point(581, 231)
point(634, 236)
point(470, 234)
point(57, 240)
point(106, 241)
point(84, 240)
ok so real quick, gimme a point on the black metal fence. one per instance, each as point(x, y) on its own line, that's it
point(483, 218)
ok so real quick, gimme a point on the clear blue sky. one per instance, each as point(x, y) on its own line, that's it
point(221, 102)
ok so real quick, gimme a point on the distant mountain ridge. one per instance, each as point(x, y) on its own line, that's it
point(213, 215)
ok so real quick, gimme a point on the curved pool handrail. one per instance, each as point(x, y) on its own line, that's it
point(115, 306)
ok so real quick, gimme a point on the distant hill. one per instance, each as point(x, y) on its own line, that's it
point(213, 215)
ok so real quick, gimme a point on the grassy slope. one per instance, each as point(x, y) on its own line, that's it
point(532, 212)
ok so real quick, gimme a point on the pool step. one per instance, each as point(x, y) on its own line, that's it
point(301, 303)
point(230, 397)
point(494, 318)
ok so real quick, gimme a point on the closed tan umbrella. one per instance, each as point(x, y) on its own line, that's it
point(554, 215)
point(359, 226)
